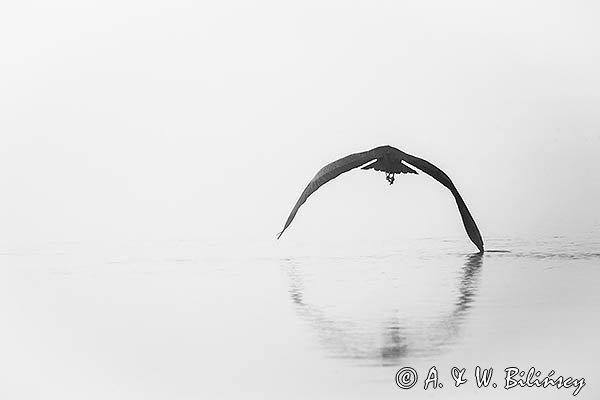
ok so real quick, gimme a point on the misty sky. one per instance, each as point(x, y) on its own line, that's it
point(205, 120)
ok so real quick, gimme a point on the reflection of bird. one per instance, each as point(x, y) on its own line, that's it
point(401, 336)
point(392, 161)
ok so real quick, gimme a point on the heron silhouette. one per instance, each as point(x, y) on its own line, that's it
point(392, 161)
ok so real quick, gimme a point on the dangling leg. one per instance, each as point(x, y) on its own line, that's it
point(389, 176)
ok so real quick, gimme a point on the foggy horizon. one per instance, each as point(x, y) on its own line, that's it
point(162, 123)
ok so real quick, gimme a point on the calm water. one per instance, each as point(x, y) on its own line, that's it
point(192, 320)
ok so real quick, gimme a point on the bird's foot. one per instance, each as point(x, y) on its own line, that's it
point(389, 176)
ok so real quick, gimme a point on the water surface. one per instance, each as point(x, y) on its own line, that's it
point(188, 319)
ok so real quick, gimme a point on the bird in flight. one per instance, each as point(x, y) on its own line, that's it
point(392, 161)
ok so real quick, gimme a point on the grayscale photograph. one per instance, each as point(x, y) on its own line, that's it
point(299, 199)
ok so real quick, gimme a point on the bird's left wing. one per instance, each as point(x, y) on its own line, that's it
point(327, 173)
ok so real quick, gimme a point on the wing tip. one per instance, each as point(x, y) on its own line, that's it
point(477, 239)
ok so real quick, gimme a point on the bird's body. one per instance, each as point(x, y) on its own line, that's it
point(392, 161)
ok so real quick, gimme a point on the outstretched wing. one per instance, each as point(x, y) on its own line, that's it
point(392, 163)
point(441, 177)
point(327, 173)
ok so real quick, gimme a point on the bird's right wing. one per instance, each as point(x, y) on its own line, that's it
point(441, 177)
point(327, 173)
